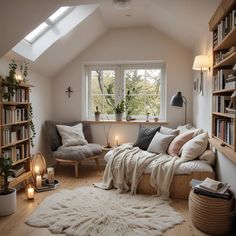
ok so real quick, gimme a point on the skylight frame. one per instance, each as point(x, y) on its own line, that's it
point(49, 23)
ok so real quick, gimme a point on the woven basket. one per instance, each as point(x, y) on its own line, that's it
point(211, 215)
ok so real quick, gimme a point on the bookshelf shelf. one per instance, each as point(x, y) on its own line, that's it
point(228, 61)
point(227, 115)
point(15, 143)
point(223, 26)
point(228, 41)
point(14, 125)
point(20, 161)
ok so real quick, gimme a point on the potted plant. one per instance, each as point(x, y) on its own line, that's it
point(119, 110)
point(7, 195)
point(97, 114)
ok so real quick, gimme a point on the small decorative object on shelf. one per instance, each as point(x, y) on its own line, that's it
point(29, 192)
point(156, 119)
point(147, 118)
point(97, 114)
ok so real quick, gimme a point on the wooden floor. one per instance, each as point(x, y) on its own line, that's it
point(14, 225)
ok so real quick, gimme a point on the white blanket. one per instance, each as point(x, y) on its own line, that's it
point(125, 168)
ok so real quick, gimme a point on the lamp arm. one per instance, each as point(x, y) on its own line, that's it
point(185, 105)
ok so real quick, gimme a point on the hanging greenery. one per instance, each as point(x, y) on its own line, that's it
point(32, 127)
point(11, 81)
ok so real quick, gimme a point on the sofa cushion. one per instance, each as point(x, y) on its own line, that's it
point(145, 137)
point(77, 152)
point(72, 135)
point(54, 138)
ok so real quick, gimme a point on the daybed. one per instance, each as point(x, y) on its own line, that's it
point(183, 174)
point(71, 155)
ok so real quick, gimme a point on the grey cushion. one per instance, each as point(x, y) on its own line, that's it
point(145, 137)
point(54, 138)
point(78, 152)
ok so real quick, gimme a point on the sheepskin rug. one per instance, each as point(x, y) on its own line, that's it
point(90, 211)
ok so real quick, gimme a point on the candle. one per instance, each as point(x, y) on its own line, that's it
point(36, 170)
point(117, 141)
point(38, 181)
point(30, 193)
point(50, 171)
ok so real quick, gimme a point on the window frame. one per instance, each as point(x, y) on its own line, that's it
point(120, 86)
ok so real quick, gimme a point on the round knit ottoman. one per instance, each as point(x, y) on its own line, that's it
point(211, 215)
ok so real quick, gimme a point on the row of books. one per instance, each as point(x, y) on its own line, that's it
point(230, 82)
point(11, 135)
point(12, 114)
point(222, 54)
point(220, 78)
point(224, 27)
point(211, 188)
point(16, 153)
point(224, 130)
point(19, 96)
point(18, 170)
point(220, 103)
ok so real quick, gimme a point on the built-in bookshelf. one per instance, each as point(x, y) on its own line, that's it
point(223, 26)
point(15, 131)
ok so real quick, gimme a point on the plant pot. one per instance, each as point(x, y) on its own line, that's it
point(119, 116)
point(97, 116)
point(8, 203)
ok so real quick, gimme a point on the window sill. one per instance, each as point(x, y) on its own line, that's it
point(161, 122)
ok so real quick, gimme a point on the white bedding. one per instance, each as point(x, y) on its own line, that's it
point(184, 168)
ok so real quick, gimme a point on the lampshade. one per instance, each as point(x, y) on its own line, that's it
point(177, 100)
point(201, 62)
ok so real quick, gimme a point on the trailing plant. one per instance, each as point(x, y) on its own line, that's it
point(31, 123)
point(5, 172)
point(11, 81)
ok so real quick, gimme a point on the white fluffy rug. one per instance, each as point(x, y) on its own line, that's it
point(92, 211)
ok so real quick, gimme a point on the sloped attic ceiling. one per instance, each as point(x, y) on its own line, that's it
point(182, 20)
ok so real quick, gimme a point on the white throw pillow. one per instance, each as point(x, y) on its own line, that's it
point(188, 127)
point(194, 147)
point(165, 130)
point(72, 135)
point(208, 156)
point(160, 143)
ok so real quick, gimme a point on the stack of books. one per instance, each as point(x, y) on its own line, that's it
point(211, 188)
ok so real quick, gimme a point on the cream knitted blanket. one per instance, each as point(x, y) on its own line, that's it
point(125, 168)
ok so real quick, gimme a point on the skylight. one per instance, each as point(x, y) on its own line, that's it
point(59, 13)
point(36, 32)
point(40, 30)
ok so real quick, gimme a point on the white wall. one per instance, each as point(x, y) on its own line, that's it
point(202, 108)
point(41, 98)
point(119, 45)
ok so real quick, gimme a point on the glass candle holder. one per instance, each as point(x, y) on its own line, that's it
point(50, 171)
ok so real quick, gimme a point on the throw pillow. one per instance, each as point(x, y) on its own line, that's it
point(72, 135)
point(208, 156)
point(178, 142)
point(165, 130)
point(160, 143)
point(194, 147)
point(185, 128)
point(145, 137)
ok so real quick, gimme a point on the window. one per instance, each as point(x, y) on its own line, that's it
point(42, 28)
point(108, 85)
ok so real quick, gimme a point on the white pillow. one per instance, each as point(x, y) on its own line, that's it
point(188, 127)
point(165, 130)
point(160, 143)
point(208, 156)
point(194, 147)
point(72, 135)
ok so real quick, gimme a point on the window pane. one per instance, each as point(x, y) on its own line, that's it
point(137, 105)
point(103, 103)
point(153, 103)
point(153, 79)
point(102, 81)
point(135, 80)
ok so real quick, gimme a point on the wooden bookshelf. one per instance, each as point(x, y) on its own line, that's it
point(224, 37)
point(15, 131)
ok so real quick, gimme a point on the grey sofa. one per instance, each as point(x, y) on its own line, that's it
point(72, 155)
